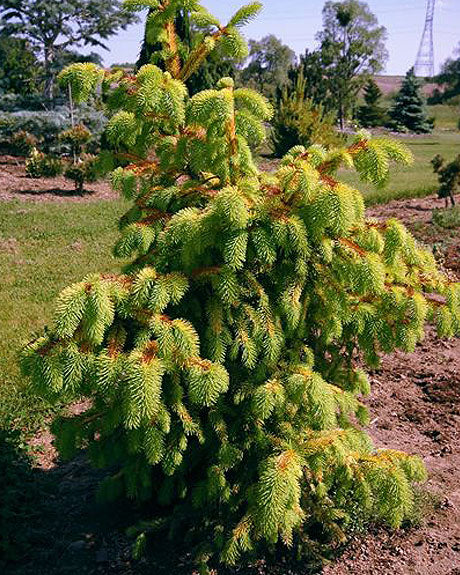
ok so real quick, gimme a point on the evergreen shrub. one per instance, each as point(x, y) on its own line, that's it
point(409, 113)
point(225, 364)
point(41, 165)
point(299, 121)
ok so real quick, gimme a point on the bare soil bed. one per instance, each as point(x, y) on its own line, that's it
point(15, 184)
point(414, 407)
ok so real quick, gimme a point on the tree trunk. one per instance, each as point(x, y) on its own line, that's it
point(48, 91)
point(341, 115)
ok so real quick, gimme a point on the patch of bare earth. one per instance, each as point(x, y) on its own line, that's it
point(16, 185)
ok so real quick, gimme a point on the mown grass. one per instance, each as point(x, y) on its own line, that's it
point(417, 180)
point(43, 248)
point(446, 116)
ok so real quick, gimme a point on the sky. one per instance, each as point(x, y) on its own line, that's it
point(296, 22)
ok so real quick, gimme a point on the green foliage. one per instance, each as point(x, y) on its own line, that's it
point(298, 121)
point(220, 364)
point(19, 67)
point(448, 175)
point(85, 169)
point(268, 65)
point(448, 79)
point(352, 49)
point(371, 114)
point(217, 65)
point(22, 143)
point(409, 111)
point(46, 127)
point(41, 165)
point(448, 219)
point(54, 28)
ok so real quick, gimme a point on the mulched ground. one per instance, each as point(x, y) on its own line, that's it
point(414, 406)
point(16, 185)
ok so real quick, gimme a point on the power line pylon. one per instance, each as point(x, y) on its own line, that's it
point(424, 65)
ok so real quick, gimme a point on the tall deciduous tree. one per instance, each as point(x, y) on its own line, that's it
point(268, 66)
point(19, 66)
point(53, 27)
point(353, 47)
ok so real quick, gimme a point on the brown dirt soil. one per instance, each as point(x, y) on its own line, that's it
point(414, 407)
point(15, 184)
point(416, 214)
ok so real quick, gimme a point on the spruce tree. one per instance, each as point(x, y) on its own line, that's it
point(215, 66)
point(371, 114)
point(408, 111)
point(224, 365)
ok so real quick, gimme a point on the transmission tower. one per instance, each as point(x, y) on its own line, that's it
point(424, 65)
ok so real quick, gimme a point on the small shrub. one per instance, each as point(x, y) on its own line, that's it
point(83, 170)
point(448, 176)
point(77, 138)
point(448, 218)
point(46, 126)
point(41, 165)
point(23, 142)
point(298, 121)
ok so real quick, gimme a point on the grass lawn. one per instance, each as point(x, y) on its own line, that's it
point(43, 248)
point(417, 180)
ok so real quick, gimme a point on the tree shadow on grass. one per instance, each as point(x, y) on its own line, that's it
point(56, 192)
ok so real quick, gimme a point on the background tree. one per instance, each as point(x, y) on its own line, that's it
point(20, 69)
point(448, 79)
point(352, 47)
point(55, 27)
point(317, 85)
point(409, 111)
point(299, 121)
point(268, 65)
point(448, 176)
point(372, 114)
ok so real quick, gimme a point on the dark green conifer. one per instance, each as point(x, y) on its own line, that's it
point(409, 111)
point(222, 364)
point(372, 114)
point(449, 177)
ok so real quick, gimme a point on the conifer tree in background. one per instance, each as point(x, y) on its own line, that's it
point(298, 121)
point(222, 364)
point(409, 111)
point(372, 114)
point(448, 176)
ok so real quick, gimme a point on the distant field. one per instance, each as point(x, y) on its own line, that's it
point(391, 84)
